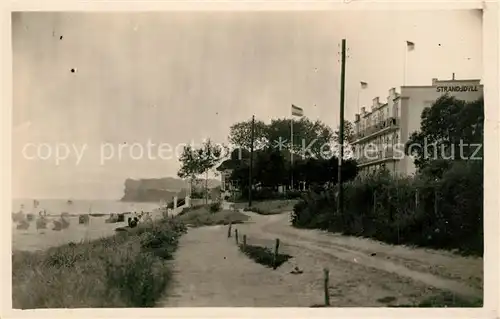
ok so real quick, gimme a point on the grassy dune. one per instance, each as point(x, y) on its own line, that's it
point(125, 270)
point(270, 207)
point(203, 216)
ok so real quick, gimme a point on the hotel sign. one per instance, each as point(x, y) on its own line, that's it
point(457, 88)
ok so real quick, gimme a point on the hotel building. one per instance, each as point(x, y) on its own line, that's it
point(382, 131)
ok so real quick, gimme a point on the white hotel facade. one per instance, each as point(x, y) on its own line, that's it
point(382, 131)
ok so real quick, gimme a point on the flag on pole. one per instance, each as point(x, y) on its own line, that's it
point(364, 85)
point(297, 111)
point(410, 45)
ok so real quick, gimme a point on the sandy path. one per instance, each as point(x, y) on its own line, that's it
point(209, 271)
point(440, 269)
point(203, 277)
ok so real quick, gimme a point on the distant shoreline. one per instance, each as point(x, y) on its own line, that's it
point(138, 201)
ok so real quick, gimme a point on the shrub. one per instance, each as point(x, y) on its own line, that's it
point(292, 194)
point(197, 194)
point(424, 210)
point(215, 207)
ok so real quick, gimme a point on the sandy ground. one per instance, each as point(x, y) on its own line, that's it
point(210, 271)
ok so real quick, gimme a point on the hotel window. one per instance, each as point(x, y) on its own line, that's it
point(396, 109)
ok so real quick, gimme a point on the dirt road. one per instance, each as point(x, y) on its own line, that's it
point(210, 271)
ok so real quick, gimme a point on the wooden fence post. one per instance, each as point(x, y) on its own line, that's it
point(244, 241)
point(229, 230)
point(276, 249)
point(435, 203)
point(416, 198)
point(236, 236)
point(326, 284)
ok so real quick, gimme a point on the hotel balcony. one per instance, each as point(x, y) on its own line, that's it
point(378, 129)
point(374, 157)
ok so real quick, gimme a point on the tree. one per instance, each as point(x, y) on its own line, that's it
point(208, 156)
point(450, 130)
point(309, 137)
point(348, 133)
point(348, 139)
point(270, 170)
point(200, 161)
point(324, 172)
point(190, 166)
point(240, 134)
point(312, 148)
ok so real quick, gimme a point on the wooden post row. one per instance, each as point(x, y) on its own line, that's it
point(326, 284)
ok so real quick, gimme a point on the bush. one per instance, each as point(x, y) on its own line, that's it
point(439, 213)
point(215, 207)
point(197, 194)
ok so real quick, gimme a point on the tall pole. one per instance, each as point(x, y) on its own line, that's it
point(340, 201)
point(359, 93)
point(250, 173)
point(291, 152)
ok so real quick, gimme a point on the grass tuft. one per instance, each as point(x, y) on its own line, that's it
point(264, 256)
point(446, 300)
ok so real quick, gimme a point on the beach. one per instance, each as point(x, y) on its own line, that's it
point(32, 239)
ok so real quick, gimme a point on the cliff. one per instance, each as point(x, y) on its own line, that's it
point(157, 189)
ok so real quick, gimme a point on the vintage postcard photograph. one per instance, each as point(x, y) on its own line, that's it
point(328, 158)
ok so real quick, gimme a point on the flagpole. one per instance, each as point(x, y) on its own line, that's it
point(250, 170)
point(340, 199)
point(406, 59)
point(409, 46)
point(359, 92)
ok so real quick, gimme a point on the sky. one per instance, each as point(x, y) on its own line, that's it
point(180, 77)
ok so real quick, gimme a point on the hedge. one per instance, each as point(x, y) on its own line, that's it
point(444, 212)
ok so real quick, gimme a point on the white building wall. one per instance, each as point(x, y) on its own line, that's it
point(407, 107)
point(416, 98)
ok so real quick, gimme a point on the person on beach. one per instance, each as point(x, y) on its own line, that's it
point(132, 222)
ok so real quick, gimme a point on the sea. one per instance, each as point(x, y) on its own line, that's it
point(33, 239)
